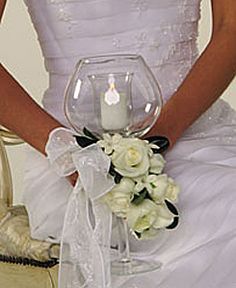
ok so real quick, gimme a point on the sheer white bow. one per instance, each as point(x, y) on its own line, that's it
point(86, 236)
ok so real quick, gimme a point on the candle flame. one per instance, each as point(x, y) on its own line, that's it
point(112, 96)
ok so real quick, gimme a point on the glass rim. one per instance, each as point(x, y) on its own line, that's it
point(106, 58)
point(105, 75)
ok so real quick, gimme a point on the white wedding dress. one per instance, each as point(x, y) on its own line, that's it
point(201, 253)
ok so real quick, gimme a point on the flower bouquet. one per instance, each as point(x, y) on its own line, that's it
point(143, 197)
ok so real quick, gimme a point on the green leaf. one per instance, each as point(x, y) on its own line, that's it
point(174, 224)
point(89, 134)
point(138, 235)
point(117, 178)
point(84, 141)
point(152, 185)
point(161, 141)
point(171, 207)
point(112, 170)
point(138, 199)
point(115, 174)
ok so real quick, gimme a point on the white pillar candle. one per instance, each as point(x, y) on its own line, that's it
point(114, 113)
point(114, 110)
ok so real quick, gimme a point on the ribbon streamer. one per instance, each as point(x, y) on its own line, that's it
point(86, 235)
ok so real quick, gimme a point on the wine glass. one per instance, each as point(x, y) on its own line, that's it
point(115, 94)
point(130, 82)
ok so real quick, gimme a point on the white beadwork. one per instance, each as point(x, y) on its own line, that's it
point(220, 112)
point(63, 15)
point(140, 40)
point(116, 42)
point(140, 5)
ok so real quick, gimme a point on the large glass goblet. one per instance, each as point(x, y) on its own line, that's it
point(135, 97)
point(115, 94)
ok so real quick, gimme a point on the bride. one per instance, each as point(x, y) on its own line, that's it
point(201, 128)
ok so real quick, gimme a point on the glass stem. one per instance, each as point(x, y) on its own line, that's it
point(124, 247)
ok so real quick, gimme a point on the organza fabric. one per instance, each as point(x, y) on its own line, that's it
point(86, 236)
point(202, 251)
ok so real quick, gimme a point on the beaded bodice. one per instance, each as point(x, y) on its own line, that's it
point(164, 32)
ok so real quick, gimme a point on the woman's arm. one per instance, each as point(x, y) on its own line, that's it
point(20, 113)
point(2, 7)
point(209, 77)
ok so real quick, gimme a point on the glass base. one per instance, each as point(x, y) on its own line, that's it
point(134, 266)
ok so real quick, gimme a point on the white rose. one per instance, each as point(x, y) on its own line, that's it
point(119, 198)
point(157, 163)
point(165, 217)
point(143, 216)
point(147, 217)
point(157, 186)
point(131, 158)
point(173, 190)
point(161, 187)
